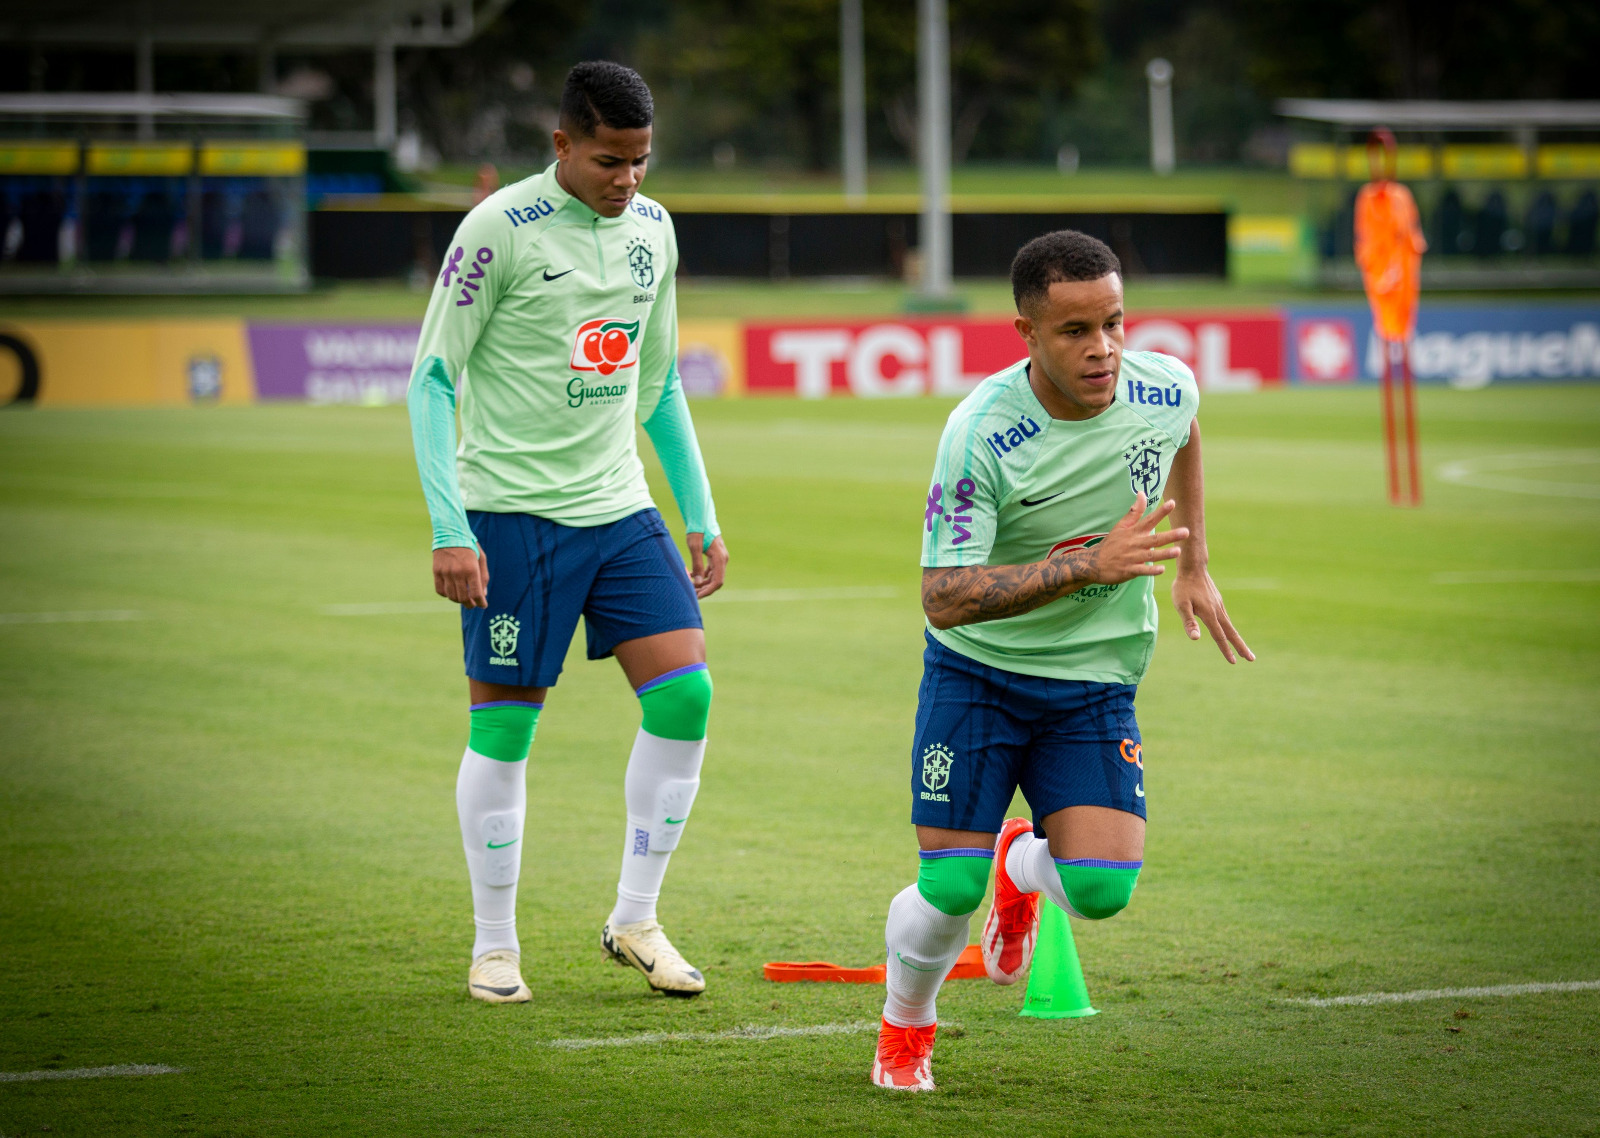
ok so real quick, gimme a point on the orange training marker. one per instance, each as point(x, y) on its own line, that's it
point(1389, 248)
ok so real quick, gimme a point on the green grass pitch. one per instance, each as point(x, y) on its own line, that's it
point(228, 836)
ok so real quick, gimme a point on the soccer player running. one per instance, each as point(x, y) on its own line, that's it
point(555, 318)
point(1039, 550)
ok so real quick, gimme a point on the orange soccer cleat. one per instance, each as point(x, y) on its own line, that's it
point(905, 1056)
point(1012, 927)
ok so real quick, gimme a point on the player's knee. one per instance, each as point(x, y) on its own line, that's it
point(677, 705)
point(953, 882)
point(1098, 889)
point(504, 730)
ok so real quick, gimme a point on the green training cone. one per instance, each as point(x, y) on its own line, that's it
point(1055, 981)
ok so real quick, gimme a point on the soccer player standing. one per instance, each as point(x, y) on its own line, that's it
point(555, 319)
point(1038, 556)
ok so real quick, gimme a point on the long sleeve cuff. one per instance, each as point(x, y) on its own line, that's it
point(671, 431)
point(431, 399)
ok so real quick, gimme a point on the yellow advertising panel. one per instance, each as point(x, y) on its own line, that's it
point(38, 157)
point(148, 158)
point(1570, 160)
point(262, 159)
point(1485, 161)
point(1314, 160)
point(711, 357)
point(1263, 233)
point(1409, 162)
point(129, 363)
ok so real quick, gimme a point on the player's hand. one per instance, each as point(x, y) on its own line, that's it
point(1132, 545)
point(461, 575)
point(707, 567)
point(1197, 599)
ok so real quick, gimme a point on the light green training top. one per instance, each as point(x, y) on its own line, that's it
point(559, 326)
point(1011, 485)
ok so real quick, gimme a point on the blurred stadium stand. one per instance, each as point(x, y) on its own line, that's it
point(805, 235)
point(145, 192)
point(1507, 190)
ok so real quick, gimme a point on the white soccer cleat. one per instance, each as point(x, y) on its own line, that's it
point(644, 946)
point(496, 978)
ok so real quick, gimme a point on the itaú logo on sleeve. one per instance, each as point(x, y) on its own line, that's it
point(605, 346)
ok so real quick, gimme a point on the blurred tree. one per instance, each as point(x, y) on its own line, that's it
point(769, 75)
point(1424, 49)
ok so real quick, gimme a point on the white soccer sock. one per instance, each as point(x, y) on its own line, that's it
point(491, 800)
point(663, 776)
point(923, 945)
point(1029, 864)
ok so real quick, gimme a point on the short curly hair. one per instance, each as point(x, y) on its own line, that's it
point(599, 92)
point(1065, 255)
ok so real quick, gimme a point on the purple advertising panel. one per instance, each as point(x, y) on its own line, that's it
point(366, 364)
point(1464, 345)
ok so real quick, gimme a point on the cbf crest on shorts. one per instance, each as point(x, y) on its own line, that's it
point(1144, 465)
point(936, 762)
point(503, 633)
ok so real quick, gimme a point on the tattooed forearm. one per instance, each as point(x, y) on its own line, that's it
point(976, 593)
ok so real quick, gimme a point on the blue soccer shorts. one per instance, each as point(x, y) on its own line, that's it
point(982, 733)
point(624, 578)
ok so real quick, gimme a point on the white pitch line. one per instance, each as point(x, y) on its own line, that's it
point(126, 1071)
point(1448, 994)
point(844, 593)
point(753, 1032)
point(69, 617)
point(1518, 576)
point(1486, 473)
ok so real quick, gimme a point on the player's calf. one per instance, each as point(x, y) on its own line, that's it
point(491, 802)
point(659, 789)
point(1090, 888)
point(925, 933)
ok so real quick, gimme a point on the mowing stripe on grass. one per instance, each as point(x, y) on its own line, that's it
point(69, 617)
point(126, 1071)
point(751, 1032)
point(845, 593)
point(391, 608)
point(1449, 994)
point(725, 596)
point(1519, 576)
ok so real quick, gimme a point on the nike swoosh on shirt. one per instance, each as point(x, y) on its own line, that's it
point(1042, 501)
point(558, 276)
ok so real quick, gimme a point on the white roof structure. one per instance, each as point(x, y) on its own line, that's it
point(1424, 114)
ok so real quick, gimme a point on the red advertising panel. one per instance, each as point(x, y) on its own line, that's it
point(933, 356)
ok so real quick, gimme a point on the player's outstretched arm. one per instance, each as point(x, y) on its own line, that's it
point(1194, 593)
point(972, 594)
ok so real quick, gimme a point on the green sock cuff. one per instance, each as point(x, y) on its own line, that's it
point(504, 730)
point(1098, 891)
point(677, 705)
point(953, 881)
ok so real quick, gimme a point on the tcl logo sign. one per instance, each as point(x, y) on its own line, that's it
point(1227, 353)
point(877, 360)
point(926, 357)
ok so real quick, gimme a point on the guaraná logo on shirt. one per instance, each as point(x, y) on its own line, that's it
point(605, 346)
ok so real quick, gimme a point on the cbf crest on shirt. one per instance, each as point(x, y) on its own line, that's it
point(1012, 485)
